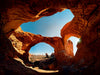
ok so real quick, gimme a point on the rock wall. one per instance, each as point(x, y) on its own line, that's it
point(23, 41)
point(85, 25)
point(69, 48)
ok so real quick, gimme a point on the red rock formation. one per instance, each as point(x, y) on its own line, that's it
point(69, 48)
point(85, 24)
point(23, 41)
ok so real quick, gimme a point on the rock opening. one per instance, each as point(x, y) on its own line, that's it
point(41, 49)
point(75, 41)
point(49, 26)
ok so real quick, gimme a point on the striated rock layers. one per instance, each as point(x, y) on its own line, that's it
point(85, 25)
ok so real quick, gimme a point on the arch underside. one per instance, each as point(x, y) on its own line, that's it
point(85, 24)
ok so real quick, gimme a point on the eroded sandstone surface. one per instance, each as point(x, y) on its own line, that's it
point(85, 25)
point(23, 41)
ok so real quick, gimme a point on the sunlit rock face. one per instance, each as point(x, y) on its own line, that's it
point(23, 41)
point(85, 25)
point(69, 48)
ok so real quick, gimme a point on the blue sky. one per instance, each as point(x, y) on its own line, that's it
point(42, 48)
point(75, 40)
point(47, 26)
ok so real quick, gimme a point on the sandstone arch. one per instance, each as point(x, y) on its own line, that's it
point(28, 40)
point(85, 23)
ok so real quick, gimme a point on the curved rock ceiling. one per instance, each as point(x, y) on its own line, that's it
point(84, 25)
